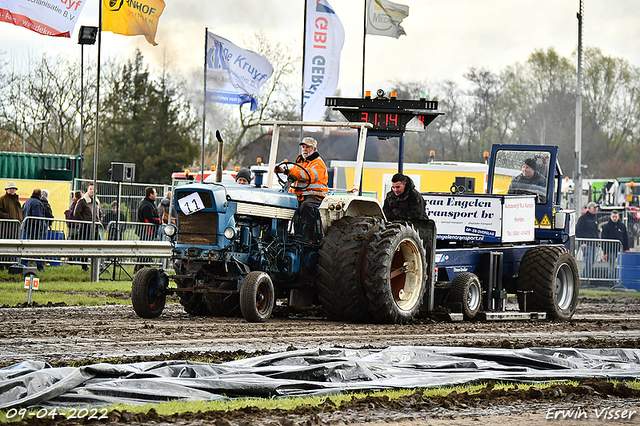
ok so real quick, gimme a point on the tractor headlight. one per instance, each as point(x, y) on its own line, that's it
point(170, 230)
point(229, 233)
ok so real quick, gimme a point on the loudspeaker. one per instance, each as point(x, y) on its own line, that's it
point(468, 183)
point(123, 172)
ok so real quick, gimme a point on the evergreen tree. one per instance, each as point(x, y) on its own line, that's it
point(148, 123)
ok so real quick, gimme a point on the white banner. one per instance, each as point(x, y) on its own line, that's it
point(55, 18)
point(322, 46)
point(384, 18)
point(234, 75)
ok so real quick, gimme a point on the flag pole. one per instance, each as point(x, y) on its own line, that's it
point(364, 43)
point(94, 274)
point(304, 55)
point(204, 105)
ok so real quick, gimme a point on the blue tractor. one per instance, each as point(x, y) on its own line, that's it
point(237, 249)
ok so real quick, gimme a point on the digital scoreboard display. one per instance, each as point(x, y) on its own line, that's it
point(386, 115)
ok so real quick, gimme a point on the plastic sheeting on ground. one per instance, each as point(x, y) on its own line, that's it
point(302, 372)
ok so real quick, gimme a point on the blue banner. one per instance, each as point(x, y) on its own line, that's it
point(234, 75)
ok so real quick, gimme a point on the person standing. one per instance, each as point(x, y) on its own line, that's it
point(403, 202)
point(587, 228)
point(44, 198)
point(84, 212)
point(165, 207)
point(116, 218)
point(10, 211)
point(614, 230)
point(147, 213)
point(34, 227)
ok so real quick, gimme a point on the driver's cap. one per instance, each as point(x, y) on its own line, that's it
point(310, 142)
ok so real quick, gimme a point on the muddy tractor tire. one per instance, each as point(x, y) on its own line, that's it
point(341, 268)
point(396, 273)
point(147, 293)
point(192, 303)
point(257, 297)
point(466, 292)
point(224, 304)
point(548, 281)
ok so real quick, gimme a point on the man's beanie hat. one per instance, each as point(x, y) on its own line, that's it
point(531, 163)
point(244, 173)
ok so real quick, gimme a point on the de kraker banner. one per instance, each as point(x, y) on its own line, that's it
point(323, 44)
point(234, 75)
point(55, 18)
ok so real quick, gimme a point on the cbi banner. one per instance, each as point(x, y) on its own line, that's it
point(55, 18)
point(322, 48)
point(132, 17)
point(234, 75)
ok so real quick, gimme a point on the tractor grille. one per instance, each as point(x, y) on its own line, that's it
point(198, 228)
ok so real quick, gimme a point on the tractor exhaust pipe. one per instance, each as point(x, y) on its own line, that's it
point(219, 163)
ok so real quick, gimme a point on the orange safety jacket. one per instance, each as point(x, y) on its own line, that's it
point(319, 178)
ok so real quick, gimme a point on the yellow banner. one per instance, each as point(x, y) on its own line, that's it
point(132, 17)
point(59, 192)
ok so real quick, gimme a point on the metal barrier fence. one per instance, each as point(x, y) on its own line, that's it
point(36, 228)
point(129, 195)
point(598, 261)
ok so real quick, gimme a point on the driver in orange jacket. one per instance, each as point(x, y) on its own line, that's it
point(310, 192)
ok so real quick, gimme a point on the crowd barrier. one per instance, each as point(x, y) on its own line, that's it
point(36, 228)
point(598, 261)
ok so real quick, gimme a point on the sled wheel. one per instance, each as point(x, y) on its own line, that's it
point(466, 291)
point(147, 293)
point(548, 277)
point(396, 275)
point(257, 297)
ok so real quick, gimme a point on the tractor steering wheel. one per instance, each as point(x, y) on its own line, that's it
point(285, 165)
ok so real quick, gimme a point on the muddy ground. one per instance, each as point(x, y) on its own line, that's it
point(62, 335)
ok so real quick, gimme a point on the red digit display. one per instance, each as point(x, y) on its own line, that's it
point(391, 119)
point(364, 116)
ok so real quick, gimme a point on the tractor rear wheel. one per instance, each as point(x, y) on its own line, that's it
point(548, 281)
point(147, 293)
point(257, 297)
point(341, 267)
point(396, 273)
point(466, 291)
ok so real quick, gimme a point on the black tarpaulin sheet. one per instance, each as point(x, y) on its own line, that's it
point(303, 372)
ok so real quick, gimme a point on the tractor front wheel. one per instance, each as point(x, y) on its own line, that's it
point(147, 293)
point(257, 297)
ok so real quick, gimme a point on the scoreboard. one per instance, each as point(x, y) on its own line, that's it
point(388, 115)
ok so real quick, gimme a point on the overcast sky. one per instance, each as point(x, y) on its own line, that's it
point(444, 37)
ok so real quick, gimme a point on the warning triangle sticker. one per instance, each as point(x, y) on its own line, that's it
point(545, 223)
point(536, 224)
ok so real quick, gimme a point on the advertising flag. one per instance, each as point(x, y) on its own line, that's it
point(132, 17)
point(234, 75)
point(384, 18)
point(56, 18)
point(322, 47)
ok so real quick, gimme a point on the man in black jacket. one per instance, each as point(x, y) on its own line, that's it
point(587, 227)
point(614, 230)
point(147, 213)
point(530, 181)
point(403, 202)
